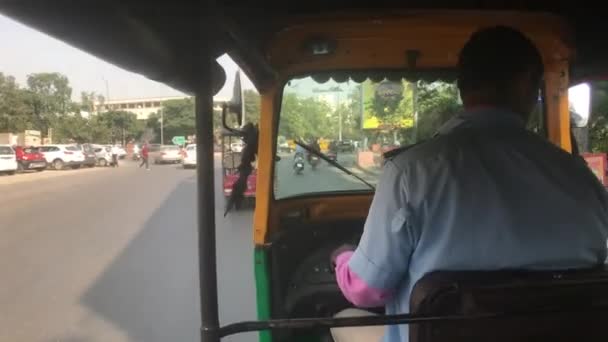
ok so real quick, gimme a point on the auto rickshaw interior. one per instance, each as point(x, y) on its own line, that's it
point(308, 60)
point(353, 64)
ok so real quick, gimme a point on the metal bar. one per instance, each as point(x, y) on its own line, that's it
point(308, 323)
point(205, 178)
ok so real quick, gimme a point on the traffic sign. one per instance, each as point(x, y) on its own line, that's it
point(178, 140)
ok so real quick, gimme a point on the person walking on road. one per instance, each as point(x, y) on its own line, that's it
point(115, 152)
point(144, 156)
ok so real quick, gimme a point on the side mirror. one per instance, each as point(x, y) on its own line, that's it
point(236, 105)
point(579, 98)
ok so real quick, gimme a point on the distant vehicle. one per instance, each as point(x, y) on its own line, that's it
point(103, 155)
point(167, 154)
point(30, 158)
point(90, 158)
point(346, 146)
point(60, 156)
point(283, 145)
point(237, 146)
point(190, 156)
point(122, 153)
point(8, 160)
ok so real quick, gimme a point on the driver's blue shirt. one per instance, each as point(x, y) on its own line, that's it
point(484, 194)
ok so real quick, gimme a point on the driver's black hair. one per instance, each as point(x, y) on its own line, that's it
point(494, 56)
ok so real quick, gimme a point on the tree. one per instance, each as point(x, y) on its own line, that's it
point(49, 96)
point(305, 118)
point(437, 102)
point(252, 106)
point(122, 126)
point(15, 115)
point(179, 120)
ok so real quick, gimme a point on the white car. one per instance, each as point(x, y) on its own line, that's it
point(167, 154)
point(60, 156)
point(8, 160)
point(122, 153)
point(190, 156)
point(237, 147)
point(103, 155)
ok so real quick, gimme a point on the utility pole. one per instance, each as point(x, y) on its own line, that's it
point(107, 88)
point(162, 128)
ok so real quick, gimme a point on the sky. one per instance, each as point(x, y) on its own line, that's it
point(27, 51)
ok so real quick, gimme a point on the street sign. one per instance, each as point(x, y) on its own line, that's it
point(178, 140)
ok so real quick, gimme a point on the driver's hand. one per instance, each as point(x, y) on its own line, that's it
point(340, 250)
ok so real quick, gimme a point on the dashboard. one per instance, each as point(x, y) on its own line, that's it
point(303, 279)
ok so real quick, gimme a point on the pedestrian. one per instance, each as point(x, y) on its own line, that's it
point(144, 156)
point(115, 152)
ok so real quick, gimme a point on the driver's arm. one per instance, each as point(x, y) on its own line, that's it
point(369, 275)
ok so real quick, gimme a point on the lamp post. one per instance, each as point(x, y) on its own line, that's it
point(162, 128)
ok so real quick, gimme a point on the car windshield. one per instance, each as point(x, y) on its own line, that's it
point(170, 148)
point(30, 150)
point(191, 148)
point(6, 150)
point(72, 148)
point(355, 120)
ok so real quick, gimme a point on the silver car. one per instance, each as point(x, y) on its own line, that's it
point(167, 154)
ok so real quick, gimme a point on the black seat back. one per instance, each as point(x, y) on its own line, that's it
point(563, 306)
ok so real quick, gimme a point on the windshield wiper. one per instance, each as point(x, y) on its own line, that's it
point(333, 163)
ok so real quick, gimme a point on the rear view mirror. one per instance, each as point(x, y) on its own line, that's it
point(579, 98)
point(236, 105)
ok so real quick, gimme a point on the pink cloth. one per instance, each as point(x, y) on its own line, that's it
point(354, 288)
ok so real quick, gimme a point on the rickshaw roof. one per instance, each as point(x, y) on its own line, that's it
point(154, 38)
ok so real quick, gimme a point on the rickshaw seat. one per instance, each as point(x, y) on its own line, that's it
point(581, 295)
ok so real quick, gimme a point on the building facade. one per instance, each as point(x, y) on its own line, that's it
point(143, 107)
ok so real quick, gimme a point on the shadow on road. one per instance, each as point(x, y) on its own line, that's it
point(150, 291)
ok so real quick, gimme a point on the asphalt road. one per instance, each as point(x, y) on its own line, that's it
point(110, 254)
point(325, 178)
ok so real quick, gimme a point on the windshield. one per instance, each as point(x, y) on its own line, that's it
point(72, 148)
point(170, 148)
point(354, 123)
point(6, 150)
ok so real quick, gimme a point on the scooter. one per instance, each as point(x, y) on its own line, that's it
point(314, 161)
point(298, 164)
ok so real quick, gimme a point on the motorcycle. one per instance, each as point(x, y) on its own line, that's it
point(314, 161)
point(298, 164)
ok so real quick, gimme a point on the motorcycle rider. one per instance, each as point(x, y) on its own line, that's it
point(314, 144)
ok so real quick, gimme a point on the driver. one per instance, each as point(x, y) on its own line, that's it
point(483, 194)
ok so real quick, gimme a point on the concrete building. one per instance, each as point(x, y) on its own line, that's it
point(143, 107)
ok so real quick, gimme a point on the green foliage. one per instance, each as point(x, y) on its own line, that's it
point(436, 104)
point(598, 122)
point(46, 103)
point(15, 115)
point(304, 118)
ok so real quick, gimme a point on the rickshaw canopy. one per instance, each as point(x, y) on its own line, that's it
point(153, 38)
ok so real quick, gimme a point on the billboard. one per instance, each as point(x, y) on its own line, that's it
point(387, 104)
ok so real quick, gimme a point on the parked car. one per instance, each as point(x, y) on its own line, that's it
point(60, 156)
point(190, 156)
point(103, 155)
point(167, 154)
point(90, 159)
point(122, 153)
point(8, 160)
point(30, 158)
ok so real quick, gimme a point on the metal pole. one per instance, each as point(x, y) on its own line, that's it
point(415, 108)
point(339, 115)
point(162, 123)
point(205, 178)
point(107, 88)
